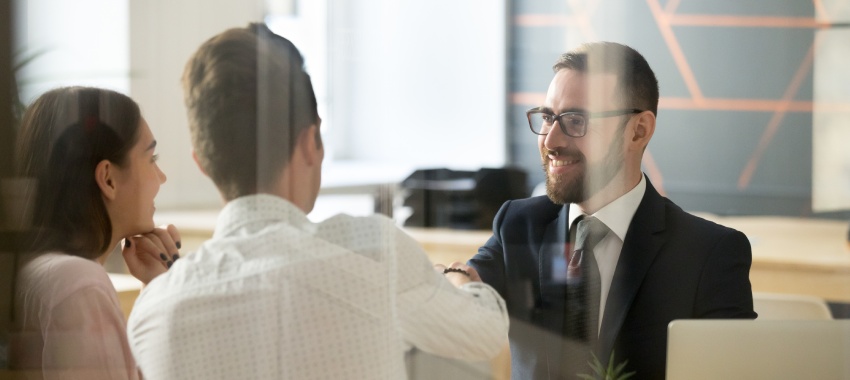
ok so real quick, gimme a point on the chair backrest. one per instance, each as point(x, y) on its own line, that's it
point(773, 306)
point(754, 350)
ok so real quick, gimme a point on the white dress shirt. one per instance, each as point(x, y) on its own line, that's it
point(275, 296)
point(617, 216)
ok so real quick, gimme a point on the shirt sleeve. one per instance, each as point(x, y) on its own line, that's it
point(489, 261)
point(85, 338)
point(469, 323)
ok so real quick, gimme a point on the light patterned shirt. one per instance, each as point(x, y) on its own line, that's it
point(275, 296)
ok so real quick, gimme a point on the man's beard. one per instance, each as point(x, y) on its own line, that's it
point(588, 180)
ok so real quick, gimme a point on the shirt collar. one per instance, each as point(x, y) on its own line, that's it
point(262, 209)
point(618, 214)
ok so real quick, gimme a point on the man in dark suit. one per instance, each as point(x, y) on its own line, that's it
point(654, 262)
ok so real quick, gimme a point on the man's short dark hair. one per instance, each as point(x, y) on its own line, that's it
point(635, 78)
point(248, 99)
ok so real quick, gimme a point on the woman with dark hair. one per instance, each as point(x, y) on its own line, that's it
point(92, 156)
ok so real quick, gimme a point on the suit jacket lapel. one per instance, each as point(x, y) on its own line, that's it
point(642, 243)
point(553, 246)
point(552, 291)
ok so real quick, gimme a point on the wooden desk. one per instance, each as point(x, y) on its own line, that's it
point(445, 246)
point(797, 255)
point(128, 288)
point(790, 255)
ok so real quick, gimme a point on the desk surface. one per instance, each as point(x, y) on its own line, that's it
point(797, 255)
point(776, 241)
point(128, 288)
point(790, 255)
point(811, 244)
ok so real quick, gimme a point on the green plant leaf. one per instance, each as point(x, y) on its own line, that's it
point(611, 372)
point(596, 366)
point(620, 368)
point(27, 59)
point(611, 363)
point(18, 107)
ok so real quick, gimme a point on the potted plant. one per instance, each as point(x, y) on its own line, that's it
point(601, 372)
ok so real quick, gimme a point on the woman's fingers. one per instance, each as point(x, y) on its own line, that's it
point(141, 261)
point(151, 245)
point(174, 233)
point(165, 239)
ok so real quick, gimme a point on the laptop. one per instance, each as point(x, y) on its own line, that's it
point(754, 350)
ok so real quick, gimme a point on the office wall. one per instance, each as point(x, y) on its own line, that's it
point(831, 158)
point(71, 43)
point(418, 82)
point(735, 127)
point(408, 83)
point(163, 34)
point(134, 47)
point(734, 132)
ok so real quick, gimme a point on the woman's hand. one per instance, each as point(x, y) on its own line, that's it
point(150, 254)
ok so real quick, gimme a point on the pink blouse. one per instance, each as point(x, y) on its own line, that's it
point(68, 321)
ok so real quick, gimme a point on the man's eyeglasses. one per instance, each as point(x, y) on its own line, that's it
point(573, 124)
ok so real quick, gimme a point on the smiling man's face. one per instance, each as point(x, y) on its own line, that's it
point(578, 167)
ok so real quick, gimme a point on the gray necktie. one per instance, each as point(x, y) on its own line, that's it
point(581, 317)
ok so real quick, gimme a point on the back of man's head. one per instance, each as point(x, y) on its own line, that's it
point(636, 80)
point(248, 99)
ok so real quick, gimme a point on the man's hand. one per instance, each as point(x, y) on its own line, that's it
point(458, 273)
point(150, 254)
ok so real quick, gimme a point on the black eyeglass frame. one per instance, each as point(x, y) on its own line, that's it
point(587, 116)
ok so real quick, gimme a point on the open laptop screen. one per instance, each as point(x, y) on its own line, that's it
point(747, 349)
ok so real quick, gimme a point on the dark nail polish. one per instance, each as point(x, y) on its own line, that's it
point(177, 243)
point(127, 243)
point(175, 256)
point(163, 257)
point(169, 264)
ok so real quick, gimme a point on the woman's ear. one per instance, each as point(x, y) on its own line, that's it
point(104, 175)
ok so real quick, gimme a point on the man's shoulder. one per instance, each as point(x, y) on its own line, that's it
point(342, 220)
point(538, 209)
point(682, 219)
point(538, 202)
point(227, 261)
point(153, 293)
point(347, 230)
point(195, 273)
